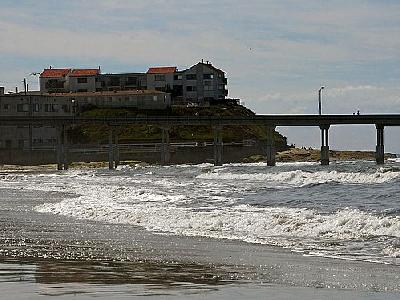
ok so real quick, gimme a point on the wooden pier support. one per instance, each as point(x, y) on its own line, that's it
point(65, 149)
point(380, 146)
point(270, 146)
point(62, 148)
point(116, 150)
point(111, 148)
point(324, 145)
point(165, 146)
point(218, 145)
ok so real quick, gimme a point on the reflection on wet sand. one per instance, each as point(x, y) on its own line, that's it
point(162, 274)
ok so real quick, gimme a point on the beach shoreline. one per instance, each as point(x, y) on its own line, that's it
point(291, 155)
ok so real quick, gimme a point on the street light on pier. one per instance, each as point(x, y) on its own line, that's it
point(319, 100)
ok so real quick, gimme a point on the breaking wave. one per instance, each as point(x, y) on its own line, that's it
point(303, 178)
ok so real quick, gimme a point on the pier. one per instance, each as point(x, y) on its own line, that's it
point(270, 122)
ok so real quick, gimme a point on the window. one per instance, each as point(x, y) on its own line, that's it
point(50, 107)
point(22, 107)
point(177, 77)
point(36, 107)
point(159, 77)
point(155, 98)
point(6, 106)
point(131, 81)
point(82, 80)
point(8, 144)
point(191, 88)
point(191, 77)
point(115, 81)
point(208, 76)
point(65, 108)
point(21, 144)
point(208, 86)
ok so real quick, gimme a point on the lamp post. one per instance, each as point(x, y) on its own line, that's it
point(319, 100)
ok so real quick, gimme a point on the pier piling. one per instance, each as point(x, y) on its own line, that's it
point(165, 146)
point(111, 149)
point(218, 145)
point(270, 147)
point(380, 146)
point(325, 145)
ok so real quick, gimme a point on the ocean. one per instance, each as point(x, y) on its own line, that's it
point(199, 231)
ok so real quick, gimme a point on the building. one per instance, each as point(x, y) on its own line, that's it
point(201, 84)
point(65, 104)
point(161, 78)
point(54, 80)
point(122, 82)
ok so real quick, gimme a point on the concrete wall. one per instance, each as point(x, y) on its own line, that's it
point(178, 155)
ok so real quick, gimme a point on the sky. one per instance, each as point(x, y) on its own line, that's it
point(276, 54)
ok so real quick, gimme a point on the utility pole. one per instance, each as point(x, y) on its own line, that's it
point(319, 100)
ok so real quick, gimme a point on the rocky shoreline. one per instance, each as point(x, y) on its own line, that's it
point(314, 155)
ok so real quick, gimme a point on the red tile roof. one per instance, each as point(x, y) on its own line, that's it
point(84, 72)
point(162, 70)
point(54, 73)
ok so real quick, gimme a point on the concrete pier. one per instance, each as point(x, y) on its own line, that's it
point(62, 148)
point(380, 146)
point(270, 147)
point(65, 148)
point(324, 145)
point(59, 149)
point(111, 149)
point(165, 146)
point(116, 150)
point(218, 145)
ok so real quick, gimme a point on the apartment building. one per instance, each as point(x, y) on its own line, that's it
point(200, 84)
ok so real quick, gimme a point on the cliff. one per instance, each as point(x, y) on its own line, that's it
point(144, 133)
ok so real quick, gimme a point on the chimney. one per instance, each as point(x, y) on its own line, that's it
point(202, 61)
point(1, 90)
point(16, 90)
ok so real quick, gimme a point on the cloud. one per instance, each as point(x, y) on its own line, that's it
point(276, 53)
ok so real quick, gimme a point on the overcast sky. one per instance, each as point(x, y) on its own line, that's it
point(276, 53)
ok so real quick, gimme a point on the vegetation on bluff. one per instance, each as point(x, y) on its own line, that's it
point(146, 133)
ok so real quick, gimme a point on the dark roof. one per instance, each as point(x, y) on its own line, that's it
point(84, 72)
point(162, 70)
point(210, 66)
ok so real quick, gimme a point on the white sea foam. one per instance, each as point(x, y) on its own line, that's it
point(303, 178)
point(275, 225)
point(203, 206)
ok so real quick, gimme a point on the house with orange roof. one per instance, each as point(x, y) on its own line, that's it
point(83, 80)
point(54, 80)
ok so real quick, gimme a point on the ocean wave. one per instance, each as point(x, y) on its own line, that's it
point(303, 178)
point(281, 226)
